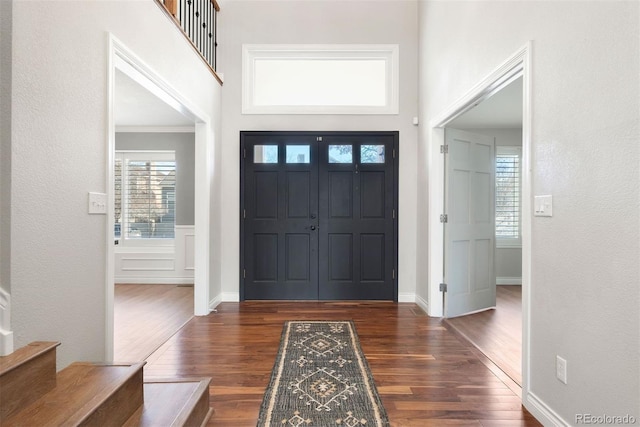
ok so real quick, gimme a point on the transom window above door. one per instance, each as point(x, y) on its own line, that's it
point(320, 79)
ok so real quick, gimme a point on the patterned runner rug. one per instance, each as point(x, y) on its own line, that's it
point(321, 378)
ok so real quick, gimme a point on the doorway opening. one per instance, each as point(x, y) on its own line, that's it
point(139, 99)
point(511, 77)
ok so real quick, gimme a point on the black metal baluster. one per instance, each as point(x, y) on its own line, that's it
point(205, 28)
point(215, 39)
point(203, 24)
point(181, 13)
point(210, 35)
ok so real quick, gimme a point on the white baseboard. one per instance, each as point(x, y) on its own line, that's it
point(230, 296)
point(6, 343)
point(508, 280)
point(407, 297)
point(542, 412)
point(155, 280)
point(215, 302)
point(422, 303)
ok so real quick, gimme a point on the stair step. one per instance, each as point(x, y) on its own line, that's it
point(173, 402)
point(26, 375)
point(87, 394)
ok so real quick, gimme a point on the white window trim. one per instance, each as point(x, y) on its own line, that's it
point(387, 52)
point(506, 242)
point(158, 155)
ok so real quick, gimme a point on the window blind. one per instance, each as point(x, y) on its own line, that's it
point(145, 195)
point(507, 194)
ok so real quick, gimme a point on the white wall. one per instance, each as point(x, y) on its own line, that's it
point(317, 22)
point(59, 140)
point(6, 13)
point(585, 102)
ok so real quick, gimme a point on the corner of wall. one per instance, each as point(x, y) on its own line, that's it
point(423, 304)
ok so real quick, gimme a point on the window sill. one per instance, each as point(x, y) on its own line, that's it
point(508, 244)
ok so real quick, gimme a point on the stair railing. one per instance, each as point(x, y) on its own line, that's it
point(198, 20)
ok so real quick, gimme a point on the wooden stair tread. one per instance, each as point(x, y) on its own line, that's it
point(25, 354)
point(26, 375)
point(83, 390)
point(173, 402)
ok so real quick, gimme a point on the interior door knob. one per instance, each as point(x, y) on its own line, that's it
point(313, 227)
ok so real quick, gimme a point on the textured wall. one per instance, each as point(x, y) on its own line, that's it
point(6, 14)
point(319, 22)
point(585, 102)
point(59, 141)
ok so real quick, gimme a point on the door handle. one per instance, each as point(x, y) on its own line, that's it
point(313, 227)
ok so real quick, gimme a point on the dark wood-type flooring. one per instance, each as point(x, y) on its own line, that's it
point(425, 374)
point(497, 333)
point(146, 316)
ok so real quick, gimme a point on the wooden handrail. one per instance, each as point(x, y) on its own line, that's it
point(172, 6)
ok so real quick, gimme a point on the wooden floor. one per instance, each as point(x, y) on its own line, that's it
point(146, 316)
point(425, 374)
point(497, 333)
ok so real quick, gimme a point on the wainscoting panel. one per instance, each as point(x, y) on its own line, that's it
point(160, 264)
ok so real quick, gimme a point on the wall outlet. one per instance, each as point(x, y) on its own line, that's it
point(561, 369)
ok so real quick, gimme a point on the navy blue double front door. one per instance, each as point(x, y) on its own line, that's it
point(319, 215)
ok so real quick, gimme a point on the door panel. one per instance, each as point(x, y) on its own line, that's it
point(319, 215)
point(279, 224)
point(470, 230)
point(357, 222)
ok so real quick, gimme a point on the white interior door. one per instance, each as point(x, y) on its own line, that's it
point(469, 232)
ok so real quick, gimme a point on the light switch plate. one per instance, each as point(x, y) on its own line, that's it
point(543, 206)
point(97, 203)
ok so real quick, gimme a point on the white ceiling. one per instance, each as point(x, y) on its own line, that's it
point(502, 110)
point(136, 106)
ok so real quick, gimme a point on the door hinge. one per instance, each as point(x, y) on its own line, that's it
point(443, 287)
point(394, 153)
point(394, 214)
point(244, 213)
point(444, 218)
point(244, 273)
point(444, 149)
point(393, 274)
point(244, 154)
